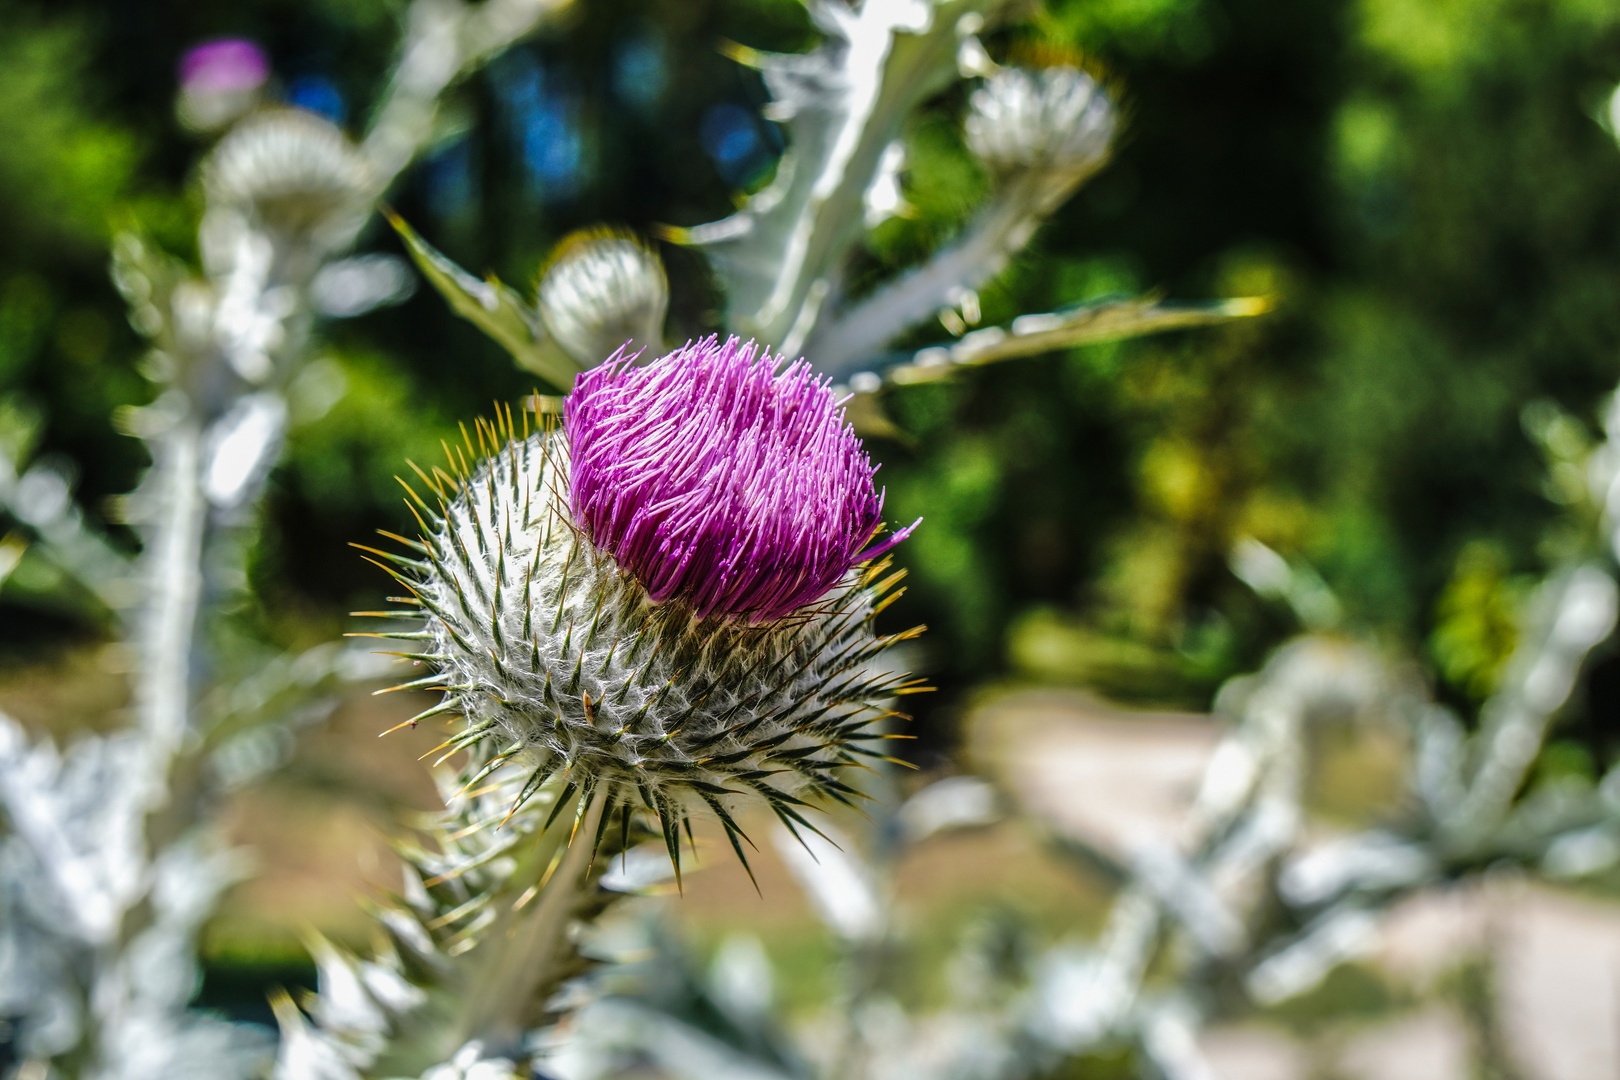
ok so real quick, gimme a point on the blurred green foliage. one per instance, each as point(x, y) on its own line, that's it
point(1475, 620)
point(1351, 990)
point(1425, 185)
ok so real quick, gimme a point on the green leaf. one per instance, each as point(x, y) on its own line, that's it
point(1085, 324)
point(493, 307)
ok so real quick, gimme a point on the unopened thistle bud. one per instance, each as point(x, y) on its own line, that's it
point(1057, 120)
point(219, 81)
point(292, 173)
point(668, 603)
point(600, 290)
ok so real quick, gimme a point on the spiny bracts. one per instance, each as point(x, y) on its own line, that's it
point(563, 662)
point(294, 174)
point(1059, 119)
point(600, 289)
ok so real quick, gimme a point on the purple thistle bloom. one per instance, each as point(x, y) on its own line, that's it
point(712, 479)
point(229, 64)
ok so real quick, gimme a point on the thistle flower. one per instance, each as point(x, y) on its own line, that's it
point(1057, 120)
point(224, 64)
point(712, 480)
point(600, 290)
point(667, 604)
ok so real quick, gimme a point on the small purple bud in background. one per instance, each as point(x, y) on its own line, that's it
point(226, 64)
point(714, 480)
point(220, 81)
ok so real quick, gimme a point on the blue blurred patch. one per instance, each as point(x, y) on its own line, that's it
point(449, 178)
point(640, 69)
point(318, 94)
point(730, 133)
point(544, 124)
point(553, 148)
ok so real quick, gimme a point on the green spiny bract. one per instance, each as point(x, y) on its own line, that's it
point(559, 661)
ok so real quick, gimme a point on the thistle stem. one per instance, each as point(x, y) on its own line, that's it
point(1001, 228)
point(527, 958)
point(163, 687)
point(443, 43)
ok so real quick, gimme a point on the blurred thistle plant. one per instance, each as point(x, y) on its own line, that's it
point(783, 257)
point(1245, 903)
point(111, 861)
point(1240, 906)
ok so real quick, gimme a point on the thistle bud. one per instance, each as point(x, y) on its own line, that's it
point(669, 601)
point(220, 81)
point(600, 291)
point(292, 173)
point(1057, 120)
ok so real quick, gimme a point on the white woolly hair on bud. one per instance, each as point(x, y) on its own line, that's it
point(293, 172)
point(1058, 118)
point(560, 663)
point(601, 289)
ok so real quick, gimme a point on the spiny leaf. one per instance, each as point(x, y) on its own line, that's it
point(494, 308)
point(1109, 319)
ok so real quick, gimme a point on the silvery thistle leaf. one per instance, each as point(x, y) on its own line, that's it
point(842, 105)
point(445, 40)
point(1041, 135)
point(75, 866)
point(656, 1007)
point(840, 885)
point(41, 500)
point(475, 947)
point(1110, 319)
point(354, 286)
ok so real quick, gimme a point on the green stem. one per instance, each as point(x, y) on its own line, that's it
point(526, 958)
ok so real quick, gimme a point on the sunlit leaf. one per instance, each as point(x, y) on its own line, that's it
point(493, 307)
point(1085, 324)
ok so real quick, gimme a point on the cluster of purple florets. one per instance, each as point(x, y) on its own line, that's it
point(717, 480)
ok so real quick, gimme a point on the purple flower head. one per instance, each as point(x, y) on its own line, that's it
point(229, 64)
point(713, 479)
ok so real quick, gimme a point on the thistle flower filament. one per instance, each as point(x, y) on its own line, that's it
point(712, 479)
